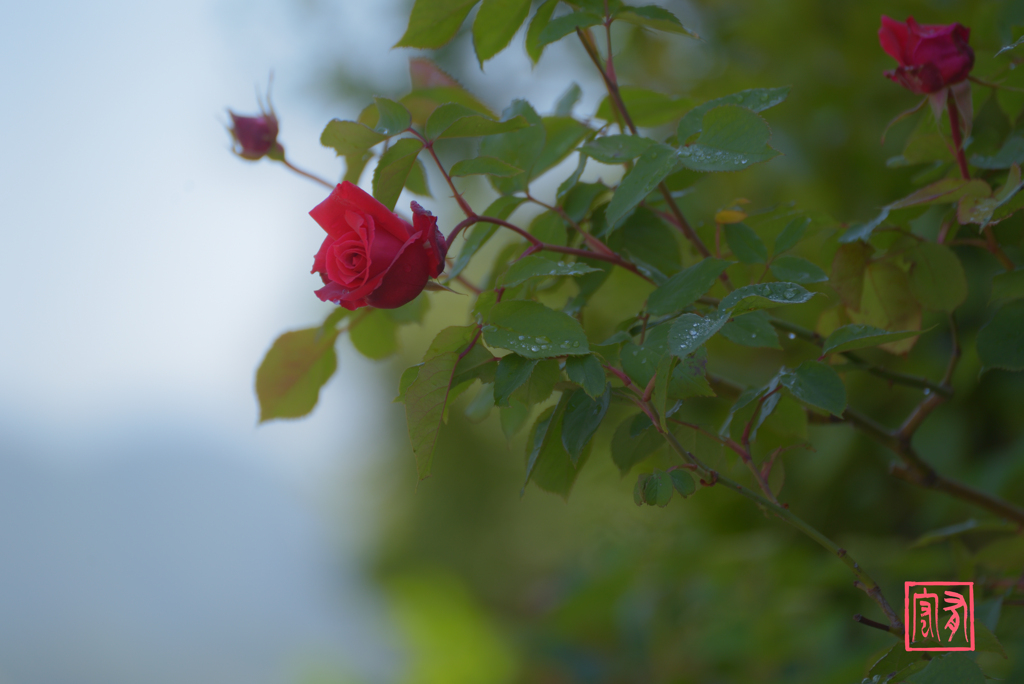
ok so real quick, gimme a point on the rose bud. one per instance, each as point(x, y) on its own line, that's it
point(931, 56)
point(255, 136)
point(372, 257)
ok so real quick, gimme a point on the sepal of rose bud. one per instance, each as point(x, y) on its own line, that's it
point(256, 136)
point(425, 224)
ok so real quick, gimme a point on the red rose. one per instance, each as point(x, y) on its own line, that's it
point(931, 56)
point(254, 136)
point(370, 256)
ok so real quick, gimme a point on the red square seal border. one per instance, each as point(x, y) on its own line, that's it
point(908, 586)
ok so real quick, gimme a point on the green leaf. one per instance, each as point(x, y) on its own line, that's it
point(634, 440)
point(616, 149)
point(763, 296)
point(520, 148)
point(427, 395)
point(797, 270)
point(647, 108)
point(658, 489)
point(562, 135)
point(952, 668)
point(513, 371)
point(1001, 340)
point(653, 166)
point(856, 336)
point(548, 465)
point(848, 268)
point(648, 242)
point(374, 335)
point(393, 170)
point(587, 372)
point(662, 387)
point(745, 244)
point(936, 277)
point(458, 121)
point(476, 364)
point(686, 287)
point(638, 488)
point(639, 363)
point(479, 234)
point(481, 166)
point(985, 641)
point(746, 397)
point(567, 102)
point(513, 418)
point(416, 182)
point(408, 375)
point(752, 329)
point(894, 660)
point(495, 24)
point(533, 330)
point(654, 17)
point(1012, 152)
point(540, 20)
point(887, 303)
point(541, 384)
point(583, 416)
point(791, 234)
point(535, 266)
point(393, 117)
point(434, 22)
point(756, 100)
point(862, 231)
point(817, 384)
point(579, 199)
point(690, 331)
point(298, 364)
point(733, 138)
point(689, 378)
point(1008, 286)
point(349, 138)
point(478, 409)
point(560, 27)
point(950, 531)
point(682, 482)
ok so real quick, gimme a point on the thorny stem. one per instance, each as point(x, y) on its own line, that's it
point(744, 455)
point(429, 146)
point(954, 124)
point(538, 245)
point(618, 104)
point(863, 581)
point(591, 241)
point(307, 174)
point(857, 361)
point(932, 401)
point(990, 239)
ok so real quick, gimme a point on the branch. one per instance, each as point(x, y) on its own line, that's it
point(429, 146)
point(863, 581)
point(620, 106)
point(307, 174)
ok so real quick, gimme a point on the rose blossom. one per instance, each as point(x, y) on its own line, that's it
point(931, 56)
point(254, 136)
point(370, 256)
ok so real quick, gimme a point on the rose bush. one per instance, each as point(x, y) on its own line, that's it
point(370, 256)
point(931, 56)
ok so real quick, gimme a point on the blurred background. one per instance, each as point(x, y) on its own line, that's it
point(151, 531)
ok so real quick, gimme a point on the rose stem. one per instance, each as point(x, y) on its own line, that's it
point(863, 582)
point(429, 146)
point(307, 174)
point(616, 98)
point(954, 124)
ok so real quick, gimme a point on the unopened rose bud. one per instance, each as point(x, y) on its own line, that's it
point(256, 136)
point(931, 56)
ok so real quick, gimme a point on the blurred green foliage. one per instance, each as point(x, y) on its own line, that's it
point(491, 586)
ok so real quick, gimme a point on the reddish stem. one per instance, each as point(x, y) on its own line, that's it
point(954, 124)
